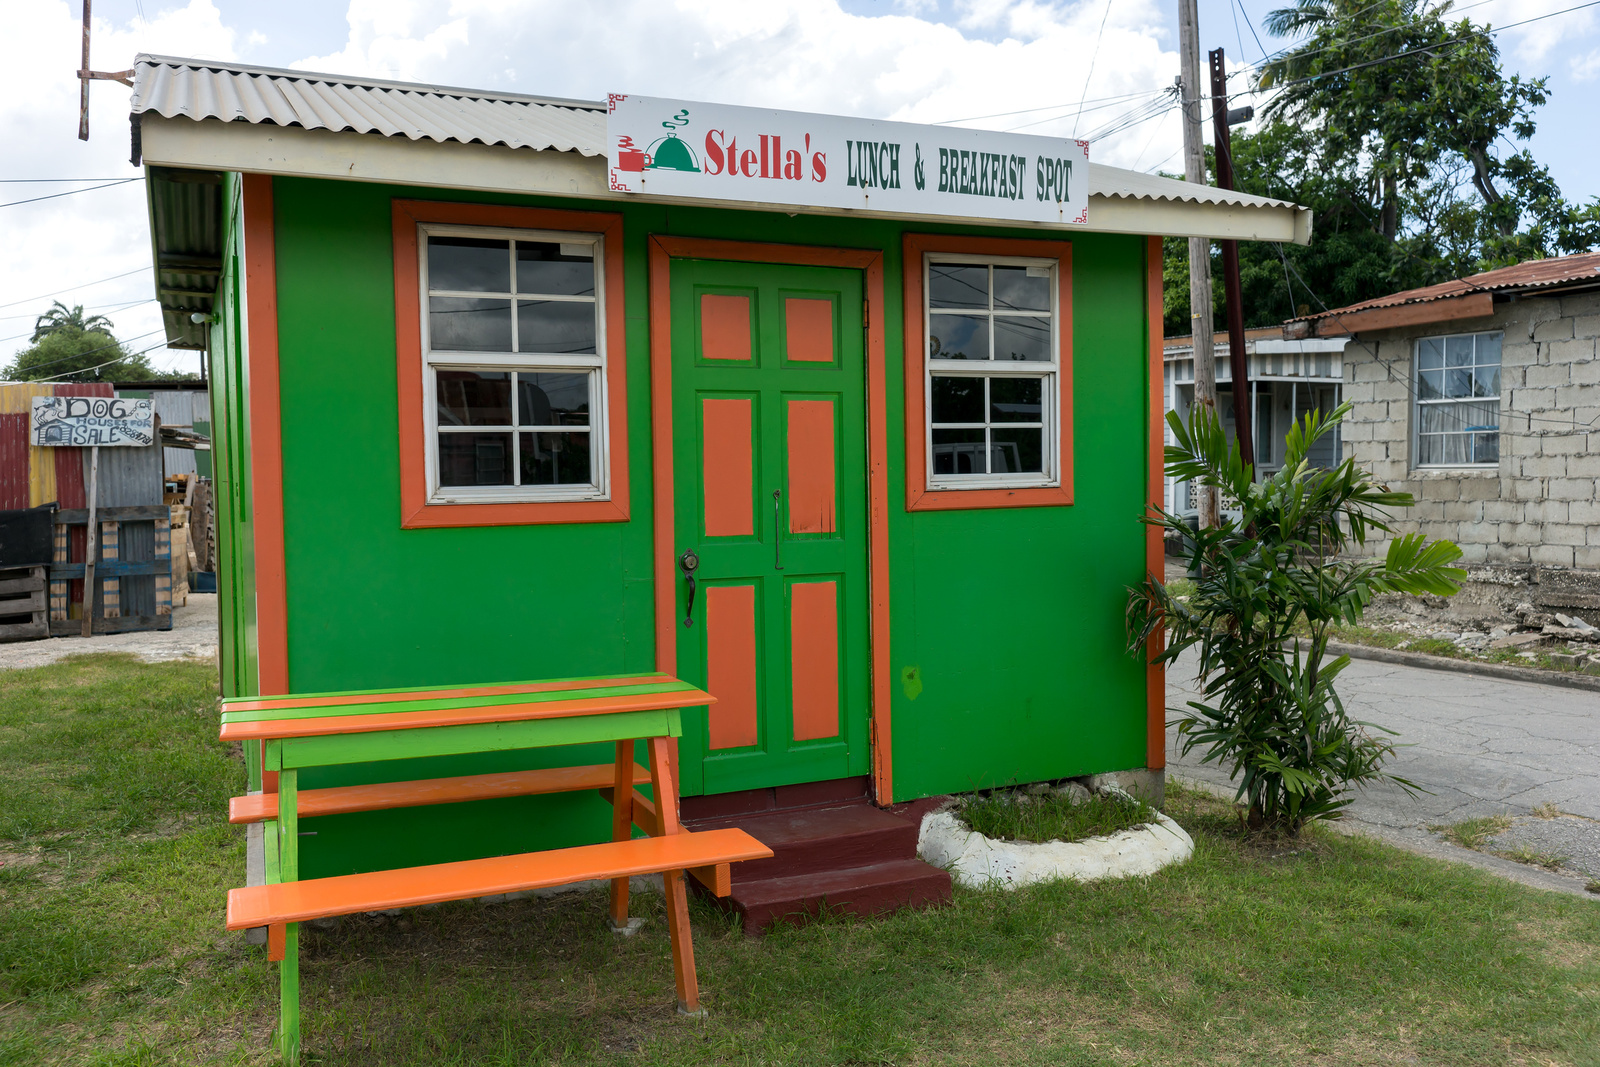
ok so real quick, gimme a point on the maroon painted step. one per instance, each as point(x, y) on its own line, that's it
point(829, 845)
point(870, 890)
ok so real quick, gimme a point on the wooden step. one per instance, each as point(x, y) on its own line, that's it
point(349, 894)
point(873, 890)
point(341, 800)
point(812, 840)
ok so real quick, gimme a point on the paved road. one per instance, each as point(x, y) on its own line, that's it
point(1480, 746)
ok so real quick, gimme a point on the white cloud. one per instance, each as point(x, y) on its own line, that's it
point(1529, 46)
point(55, 244)
point(1586, 68)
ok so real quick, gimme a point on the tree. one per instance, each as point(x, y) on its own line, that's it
point(1273, 584)
point(60, 317)
point(68, 353)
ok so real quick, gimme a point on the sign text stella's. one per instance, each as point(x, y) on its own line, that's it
point(753, 155)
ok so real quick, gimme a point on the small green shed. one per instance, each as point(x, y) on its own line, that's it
point(851, 424)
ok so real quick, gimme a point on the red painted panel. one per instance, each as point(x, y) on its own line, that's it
point(724, 326)
point(14, 460)
point(814, 659)
point(808, 325)
point(731, 664)
point(725, 451)
point(811, 467)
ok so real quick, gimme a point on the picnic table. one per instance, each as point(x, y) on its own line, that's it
point(283, 735)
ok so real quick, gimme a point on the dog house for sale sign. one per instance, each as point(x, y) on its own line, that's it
point(752, 155)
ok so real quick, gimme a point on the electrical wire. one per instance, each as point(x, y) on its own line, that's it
point(1093, 56)
point(69, 192)
point(97, 366)
point(102, 348)
point(25, 181)
point(1052, 107)
point(70, 288)
point(116, 305)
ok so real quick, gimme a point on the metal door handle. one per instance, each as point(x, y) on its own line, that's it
point(777, 529)
point(688, 562)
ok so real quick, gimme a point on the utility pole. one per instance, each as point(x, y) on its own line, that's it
point(86, 76)
point(1194, 170)
point(1239, 362)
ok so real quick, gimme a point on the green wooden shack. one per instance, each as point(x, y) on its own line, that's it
point(850, 423)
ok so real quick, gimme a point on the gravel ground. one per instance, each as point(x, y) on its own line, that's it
point(193, 635)
point(1573, 838)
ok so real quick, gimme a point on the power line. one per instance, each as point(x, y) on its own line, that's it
point(97, 366)
point(70, 288)
point(1052, 107)
point(23, 181)
point(1093, 56)
point(115, 305)
point(69, 192)
point(102, 348)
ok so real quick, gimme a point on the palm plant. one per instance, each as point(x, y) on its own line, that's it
point(1273, 584)
point(61, 317)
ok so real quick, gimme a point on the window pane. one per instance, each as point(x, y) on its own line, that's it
point(1430, 384)
point(552, 400)
point(1022, 338)
point(541, 268)
point(1457, 382)
point(555, 326)
point(957, 399)
point(958, 337)
point(1437, 418)
point(1016, 451)
point(474, 459)
point(474, 398)
point(958, 452)
point(1458, 351)
point(1429, 449)
point(555, 459)
point(1430, 354)
point(953, 285)
point(1486, 448)
point(1016, 399)
point(463, 324)
point(1479, 416)
point(469, 263)
point(1486, 381)
point(1016, 290)
point(1488, 349)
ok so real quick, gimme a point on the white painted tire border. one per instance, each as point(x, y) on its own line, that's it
point(979, 862)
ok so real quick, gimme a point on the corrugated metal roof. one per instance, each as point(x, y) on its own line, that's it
point(1136, 185)
point(186, 225)
point(1532, 275)
point(197, 89)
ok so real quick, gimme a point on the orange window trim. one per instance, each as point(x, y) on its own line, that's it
point(918, 496)
point(1154, 548)
point(662, 249)
point(415, 511)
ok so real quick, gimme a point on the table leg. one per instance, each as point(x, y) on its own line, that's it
point(621, 829)
point(289, 996)
point(665, 787)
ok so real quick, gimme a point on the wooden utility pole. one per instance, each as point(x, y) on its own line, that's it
point(1194, 170)
point(1238, 361)
point(86, 76)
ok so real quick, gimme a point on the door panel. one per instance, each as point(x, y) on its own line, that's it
point(769, 440)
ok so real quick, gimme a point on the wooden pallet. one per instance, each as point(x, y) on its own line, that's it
point(109, 570)
point(22, 604)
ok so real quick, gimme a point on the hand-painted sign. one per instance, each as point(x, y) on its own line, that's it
point(82, 421)
point(718, 152)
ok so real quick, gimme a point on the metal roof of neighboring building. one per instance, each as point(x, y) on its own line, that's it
point(233, 93)
point(1532, 276)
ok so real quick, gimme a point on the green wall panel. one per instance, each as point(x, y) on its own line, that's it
point(1014, 618)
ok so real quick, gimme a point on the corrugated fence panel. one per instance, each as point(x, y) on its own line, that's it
point(128, 476)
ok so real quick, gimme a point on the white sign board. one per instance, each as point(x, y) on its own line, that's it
point(717, 152)
point(83, 421)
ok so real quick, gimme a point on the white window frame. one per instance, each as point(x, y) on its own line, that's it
point(1418, 403)
point(1050, 398)
point(599, 488)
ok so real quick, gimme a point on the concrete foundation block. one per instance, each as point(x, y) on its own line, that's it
point(1547, 375)
point(1552, 329)
point(1149, 784)
point(1552, 555)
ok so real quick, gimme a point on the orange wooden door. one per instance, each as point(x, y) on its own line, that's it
point(769, 444)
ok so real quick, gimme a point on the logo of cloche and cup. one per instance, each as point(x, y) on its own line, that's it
point(870, 164)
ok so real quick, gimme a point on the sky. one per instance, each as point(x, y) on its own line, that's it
point(1026, 65)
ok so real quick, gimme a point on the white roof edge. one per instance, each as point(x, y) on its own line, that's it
point(1310, 344)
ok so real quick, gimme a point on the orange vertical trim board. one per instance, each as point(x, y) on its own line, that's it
point(1154, 549)
point(266, 433)
point(661, 250)
point(808, 329)
point(813, 493)
point(918, 496)
point(725, 327)
point(415, 510)
point(728, 466)
point(731, 665)
point(814, 659)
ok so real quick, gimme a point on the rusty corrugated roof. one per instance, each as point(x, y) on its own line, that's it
point(1534, 274)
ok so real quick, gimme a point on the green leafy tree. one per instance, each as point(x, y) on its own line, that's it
point(61, 317)
point(1273, 584)
point(68, 353)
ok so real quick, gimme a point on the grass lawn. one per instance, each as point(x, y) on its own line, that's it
point(116, 858)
